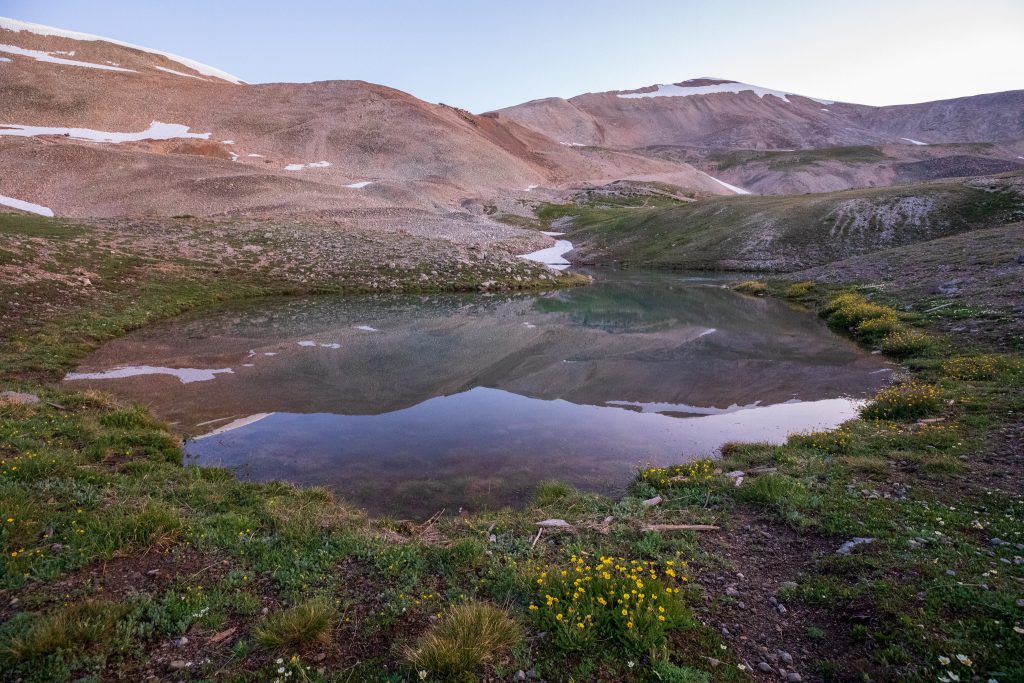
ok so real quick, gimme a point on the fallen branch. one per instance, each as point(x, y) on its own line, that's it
point(679, 527)
point(534, 544)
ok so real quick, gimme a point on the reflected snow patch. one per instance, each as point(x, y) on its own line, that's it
point(186, 375)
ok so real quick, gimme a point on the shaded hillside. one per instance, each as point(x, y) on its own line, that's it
point(789, 233)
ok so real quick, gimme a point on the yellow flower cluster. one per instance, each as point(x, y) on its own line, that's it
point(613, 600)
point(982, 367)
point(695, 472)
point(905, 342)
point(903, 401)
point(835, 442)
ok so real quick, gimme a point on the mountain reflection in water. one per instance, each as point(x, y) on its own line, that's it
point(408, 404)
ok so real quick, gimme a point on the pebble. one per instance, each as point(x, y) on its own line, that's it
point(731, 592)
point(520, 675)
point(785, 657)
point(765, 667)
point(178, 664)
point(794, 677)
point(181, 642)
point(781, 608)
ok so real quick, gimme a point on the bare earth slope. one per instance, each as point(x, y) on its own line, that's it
point(236, 147)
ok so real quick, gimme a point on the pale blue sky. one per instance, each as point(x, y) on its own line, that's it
point(486, 55)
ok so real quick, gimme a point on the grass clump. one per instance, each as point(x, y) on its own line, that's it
point(667, 672)
point(84, 628)
point(751, 287)
point(798, 290)
point(696, 472)
point(468, 637)
point(907, 401)
point(297, 626)
point(903, 343)
point(628, 604)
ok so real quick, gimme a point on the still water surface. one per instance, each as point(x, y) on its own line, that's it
point(406, 405)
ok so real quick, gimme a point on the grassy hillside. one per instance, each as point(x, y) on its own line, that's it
point(785, 233)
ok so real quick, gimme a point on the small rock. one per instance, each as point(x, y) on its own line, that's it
point(950, 572)
point(714, 662)
point(153, 572)
point(555, 524)
point(765, 667)
point(181, 642)
point(735, 474)
point(18, 398)
point(519, 676)
point(725, 631)
point(651, 502)
point(781, 608)
point(785, 657)
point(178, 664)
point(56, 547)
point(794, 677)
point(995, 540)
point(847, 547)
point(732, 592)
point(492, 539)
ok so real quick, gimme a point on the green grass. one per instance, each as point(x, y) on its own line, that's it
point(782, 233)
point(778, 160)
point(93, 499)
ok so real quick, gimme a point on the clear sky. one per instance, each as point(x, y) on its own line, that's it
point(488, 54)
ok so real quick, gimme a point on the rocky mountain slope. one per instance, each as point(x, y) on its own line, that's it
point(95, 127)
point(172, 136)
point(702, 120)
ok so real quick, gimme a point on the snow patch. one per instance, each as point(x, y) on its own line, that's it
point(315, 164)
point(179, 73)
point(673, 90)
point(41, 30)
point(41, 56)
point(26, 206)
point(5, 59)
point(254, 155)
point(575, 144)
point(186, 375)
point(360, 185)
point(914, 142)
point(737, 190)
point(307, 343)
point(156, 131)
point(551, 234)
point(553, 257)
point(331, 345)
point(530, 188)
point(366, 328)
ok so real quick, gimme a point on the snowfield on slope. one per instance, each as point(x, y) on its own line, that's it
point(156, 131)
point(552, 257)
point(673, 90)
point(41, 56)
point(41, 30)
point(26, 206)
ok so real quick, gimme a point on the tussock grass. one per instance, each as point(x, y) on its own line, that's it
point(81, 628)
point(298, 626)
point(751, 287)
point(468, 637)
